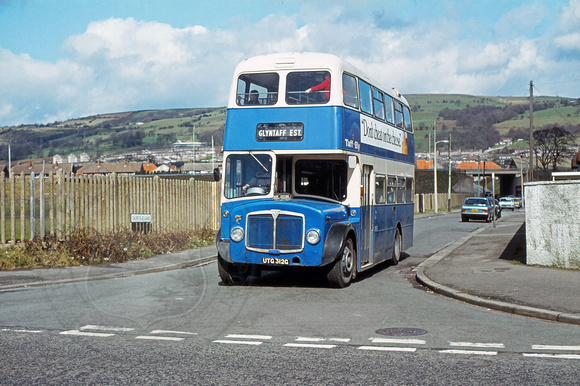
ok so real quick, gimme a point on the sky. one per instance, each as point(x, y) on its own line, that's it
point(65, 59)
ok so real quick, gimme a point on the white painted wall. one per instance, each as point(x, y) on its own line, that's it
point(553, 223)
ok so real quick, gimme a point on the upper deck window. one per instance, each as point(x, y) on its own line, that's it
point(308, 87)
point(366, 97)
point(407, 118)
point(350, 93)
point(399, 114)
point(379, 105)
point(389, 109)
point(257, 89)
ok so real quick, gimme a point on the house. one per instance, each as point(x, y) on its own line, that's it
point(468, 165)
point(422, 164)
point(28, 167)
point(149, 167)
point(101, 168)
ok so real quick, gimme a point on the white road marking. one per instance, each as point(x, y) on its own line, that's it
point(303, 339)
point(106, 328)
point(382, 348)
point(547, 347)
point(173, 332)
point(254, 343)
point(479, 345)
point(82, 333)
point(306, 345)
point(158, 338)
point(401, 341)
point(237, 336)
point(30, 331)
point(556, 356)
point(468, 352)
point(344, 340)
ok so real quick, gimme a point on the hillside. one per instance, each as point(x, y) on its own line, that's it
point(473, 121)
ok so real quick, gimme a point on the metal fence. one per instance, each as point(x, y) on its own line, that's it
point(35, 206)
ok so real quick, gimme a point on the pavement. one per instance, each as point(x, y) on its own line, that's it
point(480, 268)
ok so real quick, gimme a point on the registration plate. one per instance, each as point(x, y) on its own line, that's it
point(473, 210)
point(275, 261)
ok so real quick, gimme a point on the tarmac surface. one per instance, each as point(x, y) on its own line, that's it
point(479, 269)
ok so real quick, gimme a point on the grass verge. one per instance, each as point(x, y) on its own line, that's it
point(89, 247)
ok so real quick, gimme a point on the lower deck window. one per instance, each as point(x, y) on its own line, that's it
point(324, 178)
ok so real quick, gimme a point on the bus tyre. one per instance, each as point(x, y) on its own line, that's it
point(231, 274)
point(397, 244)
point(343, 269)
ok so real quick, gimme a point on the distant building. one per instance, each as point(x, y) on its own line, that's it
point(101, 168)
point(72, 158)
point(488, 165)
point(28, 167)
point(58, 159)
point(84, 157)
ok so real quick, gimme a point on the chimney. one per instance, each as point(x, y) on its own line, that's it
point(124, 162)
point(99, 163)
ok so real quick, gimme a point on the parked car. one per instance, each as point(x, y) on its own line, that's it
point(507, 203)
point(517, 201)
point(477, 208)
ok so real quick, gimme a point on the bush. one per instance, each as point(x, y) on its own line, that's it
point(89, 247)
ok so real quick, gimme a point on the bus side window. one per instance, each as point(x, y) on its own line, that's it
point(409, 191)
point(380, 189)
point(399, 114)
point(378, 104)
point(391, 190)
point(389, 109)
point(401, 189)
point(350, 93)
point(366, 97)
point(407, 118)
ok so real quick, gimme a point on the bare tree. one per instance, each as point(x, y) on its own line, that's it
point(550, 146)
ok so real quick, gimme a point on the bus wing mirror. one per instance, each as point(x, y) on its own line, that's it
point(216, 174)
point(351, 161)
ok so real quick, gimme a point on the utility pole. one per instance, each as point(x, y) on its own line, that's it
point(531, 171)
point(449, 176)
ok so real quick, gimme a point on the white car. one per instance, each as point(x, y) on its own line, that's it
point(507, 203)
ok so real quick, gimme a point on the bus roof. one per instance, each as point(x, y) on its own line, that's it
point(307, 60)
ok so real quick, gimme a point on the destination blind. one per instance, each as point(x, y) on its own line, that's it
point(287, 131)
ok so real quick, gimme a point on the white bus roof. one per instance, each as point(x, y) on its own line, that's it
point(308, 60)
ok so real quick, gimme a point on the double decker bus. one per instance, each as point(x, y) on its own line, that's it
point(318, 170)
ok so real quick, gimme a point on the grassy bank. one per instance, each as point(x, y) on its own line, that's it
point(89, 247)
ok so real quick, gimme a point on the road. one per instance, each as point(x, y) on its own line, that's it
point(285, 328)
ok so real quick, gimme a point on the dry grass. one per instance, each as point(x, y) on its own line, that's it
point(89, 247)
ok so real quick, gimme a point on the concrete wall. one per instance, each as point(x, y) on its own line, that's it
point(553, 223)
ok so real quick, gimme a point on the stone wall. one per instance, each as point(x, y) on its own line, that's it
point(553, 223)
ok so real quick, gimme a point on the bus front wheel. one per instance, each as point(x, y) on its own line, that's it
point(342, 271)
point(230, 273)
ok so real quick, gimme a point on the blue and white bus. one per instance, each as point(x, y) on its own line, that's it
point(318, 170)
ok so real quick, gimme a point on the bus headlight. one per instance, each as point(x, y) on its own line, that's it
point(237, 234)
point(313, 237)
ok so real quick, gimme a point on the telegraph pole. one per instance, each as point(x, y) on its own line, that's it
point(531, 171)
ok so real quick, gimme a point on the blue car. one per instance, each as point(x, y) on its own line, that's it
point(477, 208)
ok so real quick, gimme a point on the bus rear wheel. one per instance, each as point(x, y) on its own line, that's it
point(397, 246)
point(230, 273)
point(343, 269)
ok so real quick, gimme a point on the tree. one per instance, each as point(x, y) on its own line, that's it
point(550, 146)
